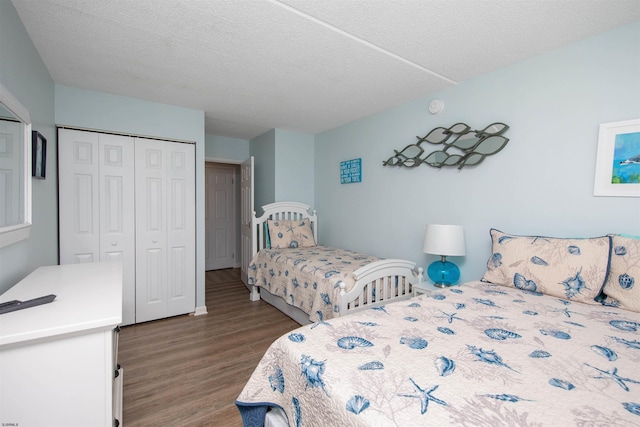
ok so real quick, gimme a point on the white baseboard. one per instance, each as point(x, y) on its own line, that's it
point(200, 310)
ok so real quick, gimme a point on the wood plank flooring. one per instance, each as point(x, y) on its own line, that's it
point(188, 370)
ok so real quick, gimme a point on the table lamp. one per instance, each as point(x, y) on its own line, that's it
point(444, 240)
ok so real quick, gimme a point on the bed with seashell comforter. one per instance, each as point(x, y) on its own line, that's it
point(534, 350)
point(311, 282)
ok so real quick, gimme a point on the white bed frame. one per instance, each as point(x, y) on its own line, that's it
point(388, 279)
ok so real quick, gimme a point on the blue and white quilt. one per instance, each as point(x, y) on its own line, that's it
point(307, 278)
point(473, 355)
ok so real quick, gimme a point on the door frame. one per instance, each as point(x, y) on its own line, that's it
point(236, 231)
point(237, 201)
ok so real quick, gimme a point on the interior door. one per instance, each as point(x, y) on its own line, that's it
point(220, 217)
point(246, 210)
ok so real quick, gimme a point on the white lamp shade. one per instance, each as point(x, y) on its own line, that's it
point(444, 240)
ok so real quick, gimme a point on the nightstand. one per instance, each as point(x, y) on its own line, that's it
point(422, 287)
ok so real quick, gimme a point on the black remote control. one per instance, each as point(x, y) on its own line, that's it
point(9, 306)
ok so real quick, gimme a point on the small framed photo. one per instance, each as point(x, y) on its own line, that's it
point(38, 155)
point(618, 160)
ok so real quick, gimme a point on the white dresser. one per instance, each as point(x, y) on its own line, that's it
point(58, 360)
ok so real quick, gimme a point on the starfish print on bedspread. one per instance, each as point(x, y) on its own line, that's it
point(321, 320)
point(424, 396)
point(613, 375)
point(564, 311)
point(449, 317)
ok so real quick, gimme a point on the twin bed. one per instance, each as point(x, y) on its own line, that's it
point(549, 336)
point(310, 282)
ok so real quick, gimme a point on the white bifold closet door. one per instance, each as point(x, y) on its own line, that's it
point(96, 204)
point(131, 199)
point(165, 229)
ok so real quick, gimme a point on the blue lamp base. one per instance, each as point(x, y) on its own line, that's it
point(443, 273)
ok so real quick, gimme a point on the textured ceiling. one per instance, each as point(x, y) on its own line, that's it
point(301, 65)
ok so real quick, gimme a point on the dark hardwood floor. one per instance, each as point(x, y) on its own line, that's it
point(188, 370)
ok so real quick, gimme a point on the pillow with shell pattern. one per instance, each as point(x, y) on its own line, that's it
point(571, 269)
point(288, 233)
point(623, 283)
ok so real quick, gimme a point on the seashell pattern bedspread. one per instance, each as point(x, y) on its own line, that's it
point(473, 355)
point(307, 278)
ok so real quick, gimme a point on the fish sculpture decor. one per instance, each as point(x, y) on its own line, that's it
point(460, 146)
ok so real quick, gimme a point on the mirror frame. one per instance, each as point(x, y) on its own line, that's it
point(14, 233)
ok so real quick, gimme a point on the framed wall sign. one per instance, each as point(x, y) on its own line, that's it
point(351, 171)
point(618, 160)
point(38, 155)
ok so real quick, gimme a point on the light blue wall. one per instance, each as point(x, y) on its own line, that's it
point(95, 110)
point(263, 149)
point(284, 167)
point(225, 148)
point(25, 76)
point(541, 183)
point(294, 179)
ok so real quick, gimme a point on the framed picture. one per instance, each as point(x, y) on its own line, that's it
point(618, 160)
point(351, 171)
point(38, 155)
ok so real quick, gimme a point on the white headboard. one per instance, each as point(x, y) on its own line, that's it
point(279, 210)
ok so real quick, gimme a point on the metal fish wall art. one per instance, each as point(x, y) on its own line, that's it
point(460, 146)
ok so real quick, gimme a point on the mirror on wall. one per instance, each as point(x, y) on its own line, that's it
point(15, 169)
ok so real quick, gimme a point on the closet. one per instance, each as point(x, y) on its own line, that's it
point(131, 199)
